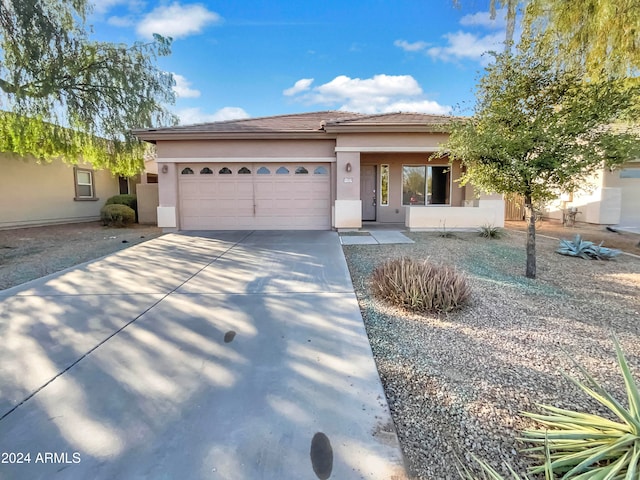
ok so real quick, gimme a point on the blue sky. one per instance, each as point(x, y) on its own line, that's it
point(247, 58)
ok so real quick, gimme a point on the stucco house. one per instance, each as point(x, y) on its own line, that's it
point(319, 170)
point(611, 197)
point(34, 194)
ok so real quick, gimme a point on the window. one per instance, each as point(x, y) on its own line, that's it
point(263, 171)
point(282, 171)
point(187, 171)
point(301, 171)
point(630, 173)
point(84, 184)
point(423, 185)
point(384, 185)
point(225, 171)
point(320, 171)
point(244, 171)
point(206, 171)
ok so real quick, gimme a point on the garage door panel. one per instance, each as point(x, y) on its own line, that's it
point(254, 201)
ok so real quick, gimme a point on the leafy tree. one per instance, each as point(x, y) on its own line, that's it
point(65, 95)
point(599, 37)
point(538, 130)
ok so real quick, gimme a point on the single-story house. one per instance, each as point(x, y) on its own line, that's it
point(611, 197)
point(34, 194)
point(319, 170)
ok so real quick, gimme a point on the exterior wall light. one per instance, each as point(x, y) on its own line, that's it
point(165, 168)
point(348, 167)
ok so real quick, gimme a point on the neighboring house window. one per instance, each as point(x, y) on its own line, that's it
point(425, 185)
point(206, 171)
point(123, 183)
point(301, 171)
point(384, 185)
point(187, 171)
point(85, 189)
point(263, 171)
point(320, 171)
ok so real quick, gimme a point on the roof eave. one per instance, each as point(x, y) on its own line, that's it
point(154, 136)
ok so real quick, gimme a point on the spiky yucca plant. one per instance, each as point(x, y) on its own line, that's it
point(421, 286)
point(585, 446)
point(489, 473)
point(489, 231)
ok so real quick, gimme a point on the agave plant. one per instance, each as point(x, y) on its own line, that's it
point(489, 231)
point(586, 249)
point(585, 446)
point(489, 473)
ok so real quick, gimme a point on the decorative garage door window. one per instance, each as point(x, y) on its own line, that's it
point(320, 171)
point(225, 171)
point(187, 171)
point(282, 171)
point(206, 171)
point(263, 171)
point(244, 171)
point(301, 171)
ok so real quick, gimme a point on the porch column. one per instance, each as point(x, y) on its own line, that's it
point(348, 206)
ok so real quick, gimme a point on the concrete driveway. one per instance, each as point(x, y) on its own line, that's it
point(217, 355)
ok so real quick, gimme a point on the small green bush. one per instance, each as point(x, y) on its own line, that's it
point(115, 215)
point(489, 231)
point(420, 286)
point(129, 200)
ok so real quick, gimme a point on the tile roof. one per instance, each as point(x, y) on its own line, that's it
point(304, 122)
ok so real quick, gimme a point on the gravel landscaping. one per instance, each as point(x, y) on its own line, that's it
point(456, 383)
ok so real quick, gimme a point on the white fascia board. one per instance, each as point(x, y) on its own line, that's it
point(246, 160)
point(387, 149)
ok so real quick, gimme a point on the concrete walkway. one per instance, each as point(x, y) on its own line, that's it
point(233, 355)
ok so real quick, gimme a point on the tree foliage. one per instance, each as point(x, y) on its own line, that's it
point(64, 95)
point(599, 37)
point(539, 130)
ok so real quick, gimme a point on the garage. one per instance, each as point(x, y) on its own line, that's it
point(254, 196)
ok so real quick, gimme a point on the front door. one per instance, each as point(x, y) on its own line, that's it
point(368, 192)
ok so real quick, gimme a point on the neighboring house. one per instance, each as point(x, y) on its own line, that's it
point(610, 198)
point(33, 194)
point(318, 170)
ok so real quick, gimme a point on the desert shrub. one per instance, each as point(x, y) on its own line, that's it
point(586, 249)
point(115, 215)
point(489, 231)
point(129, 200)
point(421, 286)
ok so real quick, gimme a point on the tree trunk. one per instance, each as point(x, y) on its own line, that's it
point(531, 238)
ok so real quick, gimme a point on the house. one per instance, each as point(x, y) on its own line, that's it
point(317, 170)
point(34, 194)
point(611, 197)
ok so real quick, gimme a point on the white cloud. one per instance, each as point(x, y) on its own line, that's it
point(176, 20)
point(183, 89)
point(103, 6)
point(465, 45)
point(190, 116)
point(301, 85)
point(411, 47)
point(126, 21)
point(483, 19)
point(379, 94)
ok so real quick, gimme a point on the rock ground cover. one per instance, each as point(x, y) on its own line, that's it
point(29, 253)
point(456, 383)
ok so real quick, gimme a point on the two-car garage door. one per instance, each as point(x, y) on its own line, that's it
point(244, 196)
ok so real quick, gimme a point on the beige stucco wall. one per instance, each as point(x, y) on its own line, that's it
point(39, 194)
point(147, 194)
point(629, 191)
point(243, 149)
point(399, 141)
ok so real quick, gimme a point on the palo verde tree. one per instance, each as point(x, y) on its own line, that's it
point(539, 130)
point(63, 95)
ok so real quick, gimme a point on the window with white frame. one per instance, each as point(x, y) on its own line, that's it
point(85, 188)
point(426, 185)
